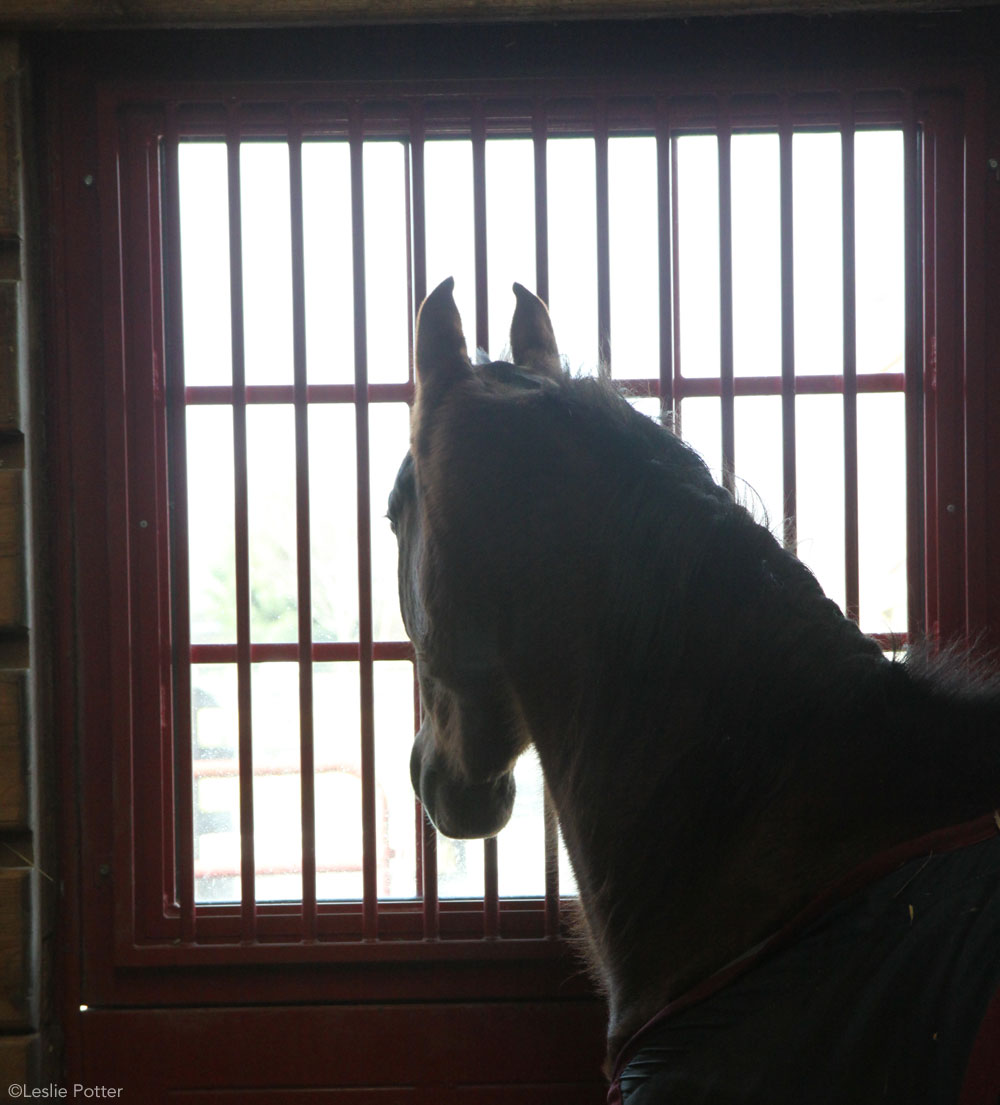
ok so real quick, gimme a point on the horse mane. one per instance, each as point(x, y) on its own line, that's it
point(732, 675)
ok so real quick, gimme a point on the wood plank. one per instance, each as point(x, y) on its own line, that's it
point(12, 567)
point(10, 351)
point(18, 1060)
point(16, 988)
point(13, 756)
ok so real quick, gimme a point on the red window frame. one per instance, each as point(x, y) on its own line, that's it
point(116, 501)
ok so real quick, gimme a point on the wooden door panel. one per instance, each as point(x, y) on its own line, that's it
point(515, 1053)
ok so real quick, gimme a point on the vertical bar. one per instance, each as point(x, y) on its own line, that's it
point(851, 554)
point(787, 334)
point(913, 376)
point(303, 544)
point(675, 286)
point(180, 598)
point(978, 513)
point(551, 839)
point(727, 386)
point(247, 866)
point(427, 878)
point(479, 224)
point(664, 226)
point(365, 649)
point(539, 135)
point(603, 239)
point(491, 902)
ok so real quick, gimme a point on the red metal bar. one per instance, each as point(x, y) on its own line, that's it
point(947, 399)
point(323, 652)
point(675, 281)
point(479, 225)
point(491, 897)
point(551, 865)
point(365, 650)
point(603, 239)
point(491, 892)
point(177, 459)
point(689, 387)
point(728, 407)
point(426, 836)
point(269, 394)
point(303, 543)
point(980, 573)
point(788, 381)
point(851, 554)
point(539, 139)
point(418, 220)
point(248, 897)
point(539, 135)
point(664, 224)
point(913, 212)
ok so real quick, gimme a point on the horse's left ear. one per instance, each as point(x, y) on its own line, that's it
point(532, 339)
point(441, 354)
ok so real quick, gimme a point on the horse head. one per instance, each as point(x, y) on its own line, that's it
point(473, 729)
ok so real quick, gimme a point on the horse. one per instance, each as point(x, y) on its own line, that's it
point(785, 843)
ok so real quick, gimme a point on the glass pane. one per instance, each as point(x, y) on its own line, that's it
point(818, 254)
point(572, 209)
point(328, 262)
point(215, 751)
point(633, 222)
point(759, 467)
point(267, 262)
point(448, 213)
point(277, 782)
point(272, 523)
point(698, 253)
point(521, 845)
point(333, 522)
point(882, 513)
point(756, 203)
point(386, 272)
point(203, 182)
point(211, 530)
point(510, 231)
point(460, 868)
point(389, 430)
point(395, 804)
point(819, 476)
point(337, 751)
point(879, 250)
point(701, 428)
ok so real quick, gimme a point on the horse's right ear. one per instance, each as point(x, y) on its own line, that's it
point(441, 354)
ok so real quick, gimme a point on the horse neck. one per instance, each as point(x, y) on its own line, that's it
point(700, 817)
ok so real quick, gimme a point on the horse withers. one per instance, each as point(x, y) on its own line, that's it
point(785, 844)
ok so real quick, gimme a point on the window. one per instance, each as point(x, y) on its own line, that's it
point(749, 265)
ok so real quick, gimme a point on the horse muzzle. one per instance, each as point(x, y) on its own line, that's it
point(458, 808)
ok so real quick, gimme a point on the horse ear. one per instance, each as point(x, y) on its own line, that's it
point(532, 339)
point(441, 354)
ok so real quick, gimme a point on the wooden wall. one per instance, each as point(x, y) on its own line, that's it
point(23, 897)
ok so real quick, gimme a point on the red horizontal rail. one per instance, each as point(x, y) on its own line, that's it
point(322, 652)
point(691, 387)
point(229, 769)
point(222, 394)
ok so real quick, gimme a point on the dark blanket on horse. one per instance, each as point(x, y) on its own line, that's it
point(886, 989)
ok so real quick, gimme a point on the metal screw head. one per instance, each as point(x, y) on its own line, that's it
point(89, 180)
